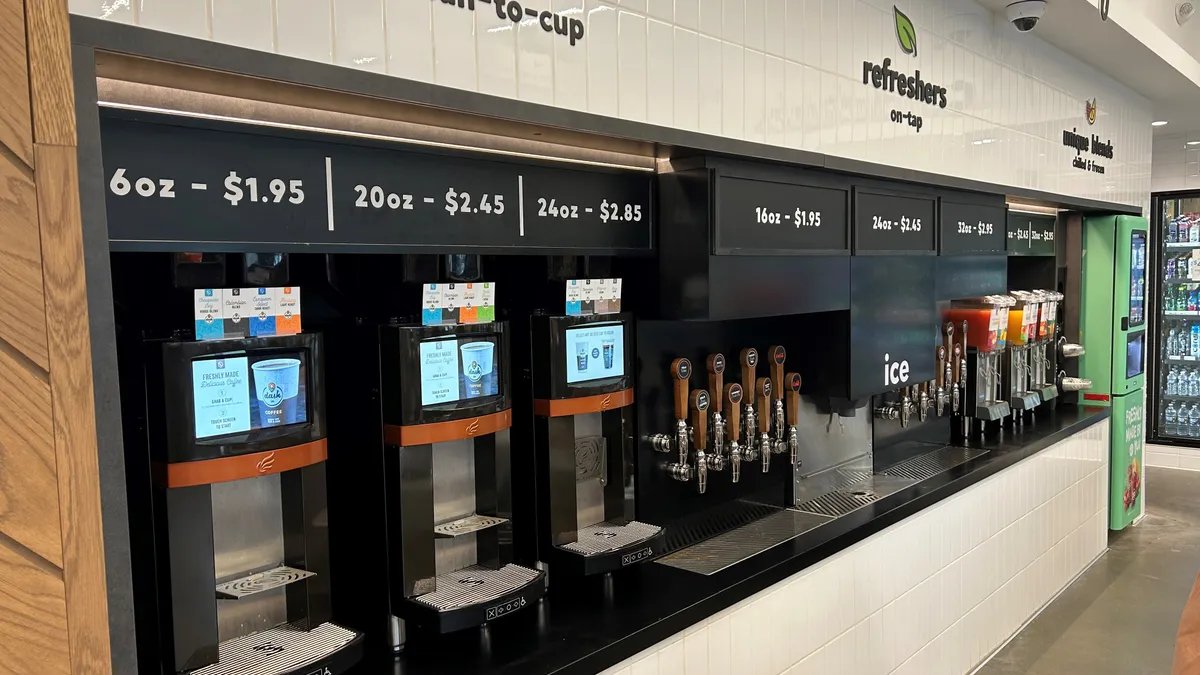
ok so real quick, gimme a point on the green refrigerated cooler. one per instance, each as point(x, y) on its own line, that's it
point(1113, 328)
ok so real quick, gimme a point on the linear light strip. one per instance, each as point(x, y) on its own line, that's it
point(369, 136)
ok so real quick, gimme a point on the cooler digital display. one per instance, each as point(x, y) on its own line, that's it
point(595, 352)
point(456, 369)
point(237, 394)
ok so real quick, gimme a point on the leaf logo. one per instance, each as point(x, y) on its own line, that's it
point(906, 34)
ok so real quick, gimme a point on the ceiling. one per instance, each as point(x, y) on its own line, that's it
point(1074, 26)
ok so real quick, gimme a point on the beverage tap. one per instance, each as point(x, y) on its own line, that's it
point(778, 357)
point(763, 389)
point(793, 415)
point(923, 400)
point(905, 406)
point(716, 384)
point(749, 362)
point(962, 364)
point(681, 370)
point(699, 401)
point(951, 373)
point(956, 398)
point(733, 401)
point(943, 381)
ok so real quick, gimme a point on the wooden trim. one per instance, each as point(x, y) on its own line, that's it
point(565, 407)
point(225, 469)
point(33, 634)
point(16, 126)
point(51, 82)
point(441, 432)
point(22, 293)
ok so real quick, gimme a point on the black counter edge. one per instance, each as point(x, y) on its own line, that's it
point(836, 542)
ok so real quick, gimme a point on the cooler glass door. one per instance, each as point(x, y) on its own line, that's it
point(1176, 363)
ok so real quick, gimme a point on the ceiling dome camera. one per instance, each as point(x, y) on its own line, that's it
point(1024, 14)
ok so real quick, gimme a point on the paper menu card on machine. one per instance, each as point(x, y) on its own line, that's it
point(458, 303)
point(587, 297)
point(222, 313)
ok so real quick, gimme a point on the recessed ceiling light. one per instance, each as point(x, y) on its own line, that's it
point(983, 141)
point(1158, 123)
point(1193, 142)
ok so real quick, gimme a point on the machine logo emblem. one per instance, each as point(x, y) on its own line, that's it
point(605, 534)
point(506, 607)
point(268, 648)
point(1090, 108)
point(473, 428)
point(266, 464)
point(606, 401)
point(637, 556)
point(272, 395)
point(471, 581)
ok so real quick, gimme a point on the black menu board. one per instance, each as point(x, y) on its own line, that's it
point(1030, 234)
point(971, 228)
point(777, 217)
point(895, 222)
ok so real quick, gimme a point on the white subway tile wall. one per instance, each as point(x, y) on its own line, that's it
point(935, 594)
point(1175, 164)
point(1173, 457)
point(785, 72)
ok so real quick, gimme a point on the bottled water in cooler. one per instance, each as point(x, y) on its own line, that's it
point(1172, 344)
point(1172, 383)
point(1194, 421)
point(1169, 419)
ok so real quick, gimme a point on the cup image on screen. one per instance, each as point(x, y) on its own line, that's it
point(608, 347)
point(478, 375)
point(581, 356)
point(276, 383)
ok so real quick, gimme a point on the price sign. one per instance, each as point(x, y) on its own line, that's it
point(759, 215)
point(172, 185)
point(1030, 234)
point(893, 222)
point(971, 228)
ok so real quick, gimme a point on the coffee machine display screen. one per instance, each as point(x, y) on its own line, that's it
point(459, 369)
point(595, 352)
point(237, 394)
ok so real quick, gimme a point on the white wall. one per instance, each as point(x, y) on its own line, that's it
point(784, 72)
point(932, 595)
point(1173, 457)
point(1176, 165)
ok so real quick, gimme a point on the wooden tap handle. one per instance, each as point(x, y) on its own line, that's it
point(763, 389)
point(778, 357)
point(749, 361)
point(793, 398)
point(958, 356)
point(716, 379)
point(699, 418)
point(733, 397)
point(681, 370)
point(941, 367)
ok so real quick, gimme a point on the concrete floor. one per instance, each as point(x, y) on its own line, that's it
point(1120, 617)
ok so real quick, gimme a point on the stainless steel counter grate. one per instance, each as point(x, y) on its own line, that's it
point(605, 537)
point(474, 585)
point(854, 497)
point(279, 650)
point(724, 550)
point(931, 464)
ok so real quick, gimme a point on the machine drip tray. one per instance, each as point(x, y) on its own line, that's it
point(286, 649)
point(472, 523)
point(607, 537)
point(476, 585)
point(261, 581)
point(724, 550)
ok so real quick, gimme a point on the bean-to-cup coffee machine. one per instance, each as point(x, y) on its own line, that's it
point(983, 323)
point(583, 370)
point(445, 405)
point(236, 436)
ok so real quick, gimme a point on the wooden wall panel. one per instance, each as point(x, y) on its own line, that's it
point(28, 479)
point(33, 620)
point(16, 130)
point(74, 407)
point(22, 304)
point(48, 33)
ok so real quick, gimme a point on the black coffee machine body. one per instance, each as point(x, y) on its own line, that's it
point(584, 439)
point(236, 440)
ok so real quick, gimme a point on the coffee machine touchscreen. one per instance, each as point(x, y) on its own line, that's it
point(238, 394)
point(459, 369)
point(595, 352)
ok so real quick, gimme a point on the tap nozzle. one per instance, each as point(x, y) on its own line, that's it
point(763, 389)
point(923, 401)
point(905, 406)
point(681, 370)
point(699, 402)
point(733, 401)
point(716, 385)
point(956, 389)
point(748, 359)
point(793, 416)
point(778, 358)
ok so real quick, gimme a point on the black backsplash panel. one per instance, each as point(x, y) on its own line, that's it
point(893, 320)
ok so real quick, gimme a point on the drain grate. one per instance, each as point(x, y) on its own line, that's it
point(710, 523)
point(261, 581)
point(722, 551)
point(839, 503)
point(280, 650)
point(931, 464)
point(605, 537)
point(475, 585)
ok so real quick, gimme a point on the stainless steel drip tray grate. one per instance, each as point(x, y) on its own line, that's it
point(931, 464)
point(474, 585)
point(261, 581)
point(279, 650)
point(472, 523)
point(604, 537)
point(854, 497)
point(728, 549)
